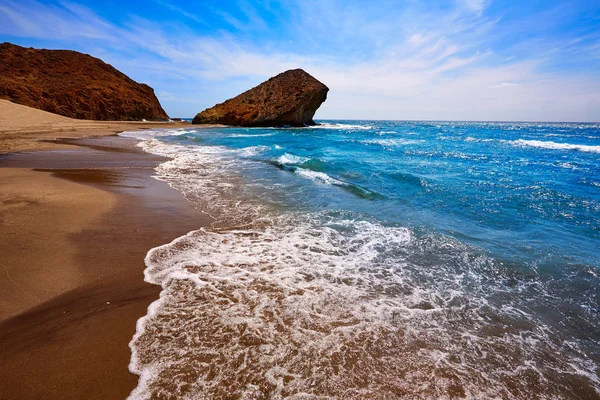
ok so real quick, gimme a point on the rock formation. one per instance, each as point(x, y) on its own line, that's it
point(290, 98)
point(73, 84)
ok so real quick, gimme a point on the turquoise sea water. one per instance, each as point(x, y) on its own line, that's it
point(379, 259)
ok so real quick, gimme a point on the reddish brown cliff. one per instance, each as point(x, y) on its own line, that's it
point(290, 98)
point(73, 84)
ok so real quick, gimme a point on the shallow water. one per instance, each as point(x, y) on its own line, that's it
point(369, 259)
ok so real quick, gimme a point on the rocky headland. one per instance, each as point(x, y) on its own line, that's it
point(288, 99)
point(74, 85)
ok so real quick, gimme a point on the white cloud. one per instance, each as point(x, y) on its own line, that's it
point(433, 69)
point(503, 85)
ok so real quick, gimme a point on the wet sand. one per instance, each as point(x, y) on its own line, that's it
point(76, 224)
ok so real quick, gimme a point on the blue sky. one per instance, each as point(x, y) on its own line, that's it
point(432, 60)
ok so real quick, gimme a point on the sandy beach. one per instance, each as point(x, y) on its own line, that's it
point(76, 222)
point(24, 128)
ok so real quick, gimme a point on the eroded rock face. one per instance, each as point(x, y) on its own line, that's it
point(290, 98)
point(75, 85)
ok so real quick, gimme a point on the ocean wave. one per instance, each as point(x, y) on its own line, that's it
point(252, 150)
point(322, 177)
point(206, 176)
point(391, 142)
point(148, 134)
point(473, 139)
point(555, 146)
point(567, 165)
point(318, 307)
point(291, 159)
point(591, 182)
point(328, 125)
point(407, 178)
point(249, 135)
point(319, 176)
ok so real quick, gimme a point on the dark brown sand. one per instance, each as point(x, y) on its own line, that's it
point(74, 233)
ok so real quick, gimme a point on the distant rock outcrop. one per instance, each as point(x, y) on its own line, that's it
point(75, 85)
point(290, 98)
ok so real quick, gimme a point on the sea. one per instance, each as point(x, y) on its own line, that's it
point(377, 260)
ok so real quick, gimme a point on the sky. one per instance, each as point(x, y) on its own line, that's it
point(481, 60)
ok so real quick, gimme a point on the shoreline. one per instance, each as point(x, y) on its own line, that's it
point(84, 278)
point(272, 285)
point(24, 128)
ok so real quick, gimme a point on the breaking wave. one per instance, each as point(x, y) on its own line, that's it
point(339, 308)
point(556, 146)
point(327, 125)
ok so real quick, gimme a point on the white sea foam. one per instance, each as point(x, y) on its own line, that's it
point(567, 165)
point(252, 151)
point(472, 139)
point(327, 125)
point(319, 176)
point(148, 134)
point(288, 159)
point(555, 146)
point(206, 175)
point(245, 135)
point(318, 308)
point(397, 142)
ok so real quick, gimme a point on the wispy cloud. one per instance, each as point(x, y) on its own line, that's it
point(387, 61)
point(64, 21)
point(181, 11)
point(475, 6)
point(503, 85)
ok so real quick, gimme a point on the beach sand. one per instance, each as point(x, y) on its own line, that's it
point(75, 225)
point(24, 128)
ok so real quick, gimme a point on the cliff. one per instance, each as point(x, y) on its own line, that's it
point(75, 85)
point(290, 98)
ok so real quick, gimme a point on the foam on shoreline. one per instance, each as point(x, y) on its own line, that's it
point(320, 308)
point(288, 304)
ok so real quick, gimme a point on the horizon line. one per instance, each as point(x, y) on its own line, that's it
point(444, 120)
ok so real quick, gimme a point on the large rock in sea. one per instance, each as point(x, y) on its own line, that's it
point(290, 98)
point(75, 85)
